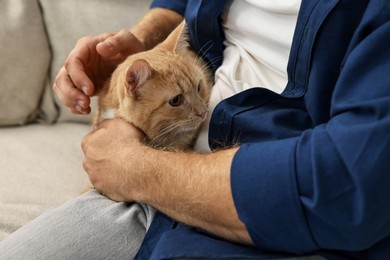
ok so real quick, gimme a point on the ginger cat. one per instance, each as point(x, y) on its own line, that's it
point(163, 91)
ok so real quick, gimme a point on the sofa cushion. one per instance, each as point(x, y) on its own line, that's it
point(41, 167)
point(69, 20)
point(24, 63)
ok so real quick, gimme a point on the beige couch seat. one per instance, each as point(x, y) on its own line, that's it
point(40, 154)
point(40, 168)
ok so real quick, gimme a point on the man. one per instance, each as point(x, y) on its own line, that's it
point(309, 174)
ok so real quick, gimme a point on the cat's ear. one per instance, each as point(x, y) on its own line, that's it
point(178, 41)
point(183, 41)
point(137, 74)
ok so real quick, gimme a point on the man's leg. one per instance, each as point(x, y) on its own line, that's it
point(89, 227)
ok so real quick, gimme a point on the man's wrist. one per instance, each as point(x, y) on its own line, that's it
point(156, 26)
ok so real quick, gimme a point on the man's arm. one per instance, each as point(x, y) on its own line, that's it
point(155, 26)
point(189, 187)
point(196, 191)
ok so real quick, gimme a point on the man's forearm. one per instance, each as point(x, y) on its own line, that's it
point(155, 26)
point(194, 189)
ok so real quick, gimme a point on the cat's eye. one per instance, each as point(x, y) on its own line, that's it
point(176, 100)
point(199, 87)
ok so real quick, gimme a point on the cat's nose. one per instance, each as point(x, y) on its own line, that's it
point(202, 114)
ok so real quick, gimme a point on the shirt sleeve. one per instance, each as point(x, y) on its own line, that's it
point(178, 6)
point(329, 187)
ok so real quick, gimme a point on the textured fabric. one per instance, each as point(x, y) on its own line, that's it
point(335, 164)
point(24, 61)
point(40, 167)
point(256, 61)
point(260, 59)
point(89, 227)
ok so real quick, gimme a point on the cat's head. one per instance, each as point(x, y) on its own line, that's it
point(166, 91)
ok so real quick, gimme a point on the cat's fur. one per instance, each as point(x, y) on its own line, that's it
point(163, 91)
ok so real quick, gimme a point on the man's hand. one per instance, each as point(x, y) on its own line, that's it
point(89, 65)
point(192, 188)
point(110, 148)
point(94, 58)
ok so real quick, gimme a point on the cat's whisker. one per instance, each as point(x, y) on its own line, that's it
point(207, 45)
point(205, 66)
point(169, 129)
point(212, 62)
point(201, 57)
point(197, 61)
point(164, 131)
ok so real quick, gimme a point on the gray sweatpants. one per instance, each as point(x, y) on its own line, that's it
point(88, 227)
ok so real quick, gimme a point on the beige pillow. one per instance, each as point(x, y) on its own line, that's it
point(24, 61)
point(68, 20)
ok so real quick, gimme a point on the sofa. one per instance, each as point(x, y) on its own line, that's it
point(40, 155)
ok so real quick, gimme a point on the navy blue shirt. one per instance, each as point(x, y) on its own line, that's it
point(312, 174)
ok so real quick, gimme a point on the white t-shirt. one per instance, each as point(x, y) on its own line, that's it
point(258, 35)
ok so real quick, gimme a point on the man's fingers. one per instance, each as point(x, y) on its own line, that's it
point(113, 126)
point(119, 45)
point(69, 95)
point(95, 128)
point(81, 57)
point(104, 124)
point(85, 141)
point(76, 71)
